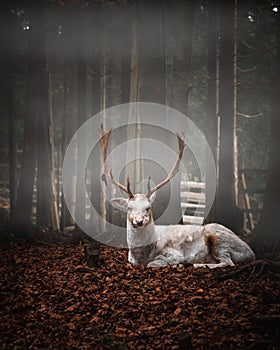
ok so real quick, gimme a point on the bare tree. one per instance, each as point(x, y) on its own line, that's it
point(225, 190)
point(69, 118)
point(96, 108)
point(47, 208)
point(10, 66)
point(266, 234)
point(213, 93)
point(81, 91)
point(180, 27)
point(20, 220)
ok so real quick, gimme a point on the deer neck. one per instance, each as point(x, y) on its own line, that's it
point(142, 243)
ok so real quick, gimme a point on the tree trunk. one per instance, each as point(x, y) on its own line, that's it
point(148, 81)
point(65, 216)
point(47, 208)
point(43, 173)
point(225, 190)
point(150, 30)
point(182, 31)
point(10, 62)
point(150, 54)
point(12, 148)
point(126, 34)
point(69, 121)
point(266, 234)
point(21, 218)
point(113, 87)
point(179, 20)
point(113, 54)
point(235, 147)
point(96, 108)
point(212, 108)
point(131, 170)
point(81, 81)
point(129, 85)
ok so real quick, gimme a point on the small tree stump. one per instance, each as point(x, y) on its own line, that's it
point(92, 255)
point(184, 341)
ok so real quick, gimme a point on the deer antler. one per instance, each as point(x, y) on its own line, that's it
point(174, 170)
point(107, 172)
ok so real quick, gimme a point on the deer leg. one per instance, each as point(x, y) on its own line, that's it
point(223, 259)
point(158, 263)
point(213, 266)
point(170, 257)
point(219, 250)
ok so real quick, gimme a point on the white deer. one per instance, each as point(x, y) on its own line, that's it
point(212, 245)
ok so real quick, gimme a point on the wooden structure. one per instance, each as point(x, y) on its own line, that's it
point(193, 202)
point(250, 199)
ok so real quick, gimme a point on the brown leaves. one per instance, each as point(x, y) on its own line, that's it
point(177, 311)
point(51, 298)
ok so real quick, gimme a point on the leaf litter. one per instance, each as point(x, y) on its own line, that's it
point(51, 299)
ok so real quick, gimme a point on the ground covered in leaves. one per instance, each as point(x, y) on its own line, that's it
point(51, 299)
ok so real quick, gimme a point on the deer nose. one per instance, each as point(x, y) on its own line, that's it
point(139, 221)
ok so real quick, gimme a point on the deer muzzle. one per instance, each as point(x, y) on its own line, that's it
point(138, 220)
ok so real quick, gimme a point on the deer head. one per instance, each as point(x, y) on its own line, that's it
point(139, 209)
point(138, 206)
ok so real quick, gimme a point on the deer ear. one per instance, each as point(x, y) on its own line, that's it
point(152, 197)
point(120, 203)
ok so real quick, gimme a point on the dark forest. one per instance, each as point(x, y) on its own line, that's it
point(178, 100)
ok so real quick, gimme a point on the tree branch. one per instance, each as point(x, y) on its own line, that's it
point(248, 115)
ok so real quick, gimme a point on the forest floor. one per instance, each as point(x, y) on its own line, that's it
point(51, 299)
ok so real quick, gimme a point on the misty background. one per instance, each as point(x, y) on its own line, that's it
point(64, 61)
